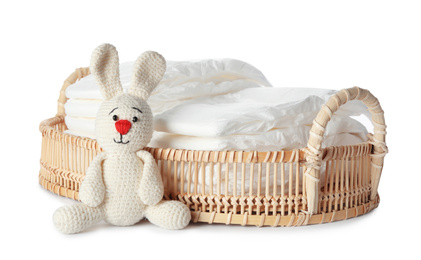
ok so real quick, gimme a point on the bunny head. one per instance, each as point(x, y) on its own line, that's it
point(124, 122)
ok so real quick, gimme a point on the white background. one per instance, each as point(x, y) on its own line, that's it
point(324, 44)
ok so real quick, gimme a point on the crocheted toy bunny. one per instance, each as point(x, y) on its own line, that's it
point(123, 185)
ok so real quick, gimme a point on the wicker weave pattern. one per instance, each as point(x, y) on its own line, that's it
point(277, 190)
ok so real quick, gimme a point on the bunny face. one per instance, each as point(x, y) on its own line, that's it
point(124, 122)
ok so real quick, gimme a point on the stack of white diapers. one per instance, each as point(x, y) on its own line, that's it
point(222, 105)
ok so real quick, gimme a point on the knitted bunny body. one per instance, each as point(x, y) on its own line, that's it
point(122, 190)
point(123, 185)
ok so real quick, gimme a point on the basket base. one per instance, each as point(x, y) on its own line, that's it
point(294, 220)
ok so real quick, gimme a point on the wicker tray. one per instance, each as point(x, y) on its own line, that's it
point(288, 188)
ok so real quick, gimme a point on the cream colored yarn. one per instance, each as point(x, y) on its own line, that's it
point(123, 185)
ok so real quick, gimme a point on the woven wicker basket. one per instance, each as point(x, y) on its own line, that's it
point(284, 188)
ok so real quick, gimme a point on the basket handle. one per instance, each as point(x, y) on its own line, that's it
point(314, 145)
point(75, 76)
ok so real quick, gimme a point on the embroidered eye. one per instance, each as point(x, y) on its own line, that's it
point(115, 117)
point(134, 119)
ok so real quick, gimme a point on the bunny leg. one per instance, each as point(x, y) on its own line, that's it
point(76, 218)
point(169, 214)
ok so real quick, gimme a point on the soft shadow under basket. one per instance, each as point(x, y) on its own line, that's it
point(283, 188)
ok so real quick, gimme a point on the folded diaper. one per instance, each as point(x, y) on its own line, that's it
point(82, 108)
point(250, 111)
point(337, 132)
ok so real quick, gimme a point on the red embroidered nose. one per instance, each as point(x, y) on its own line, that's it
point(123, 126)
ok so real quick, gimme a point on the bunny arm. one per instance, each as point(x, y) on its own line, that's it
point(151, 188)
point(92, 190)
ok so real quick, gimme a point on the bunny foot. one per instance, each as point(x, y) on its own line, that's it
point(76, 218)
point(169, 214)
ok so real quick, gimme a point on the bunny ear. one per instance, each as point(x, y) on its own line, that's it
point(148, 71)
point(105, 68)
